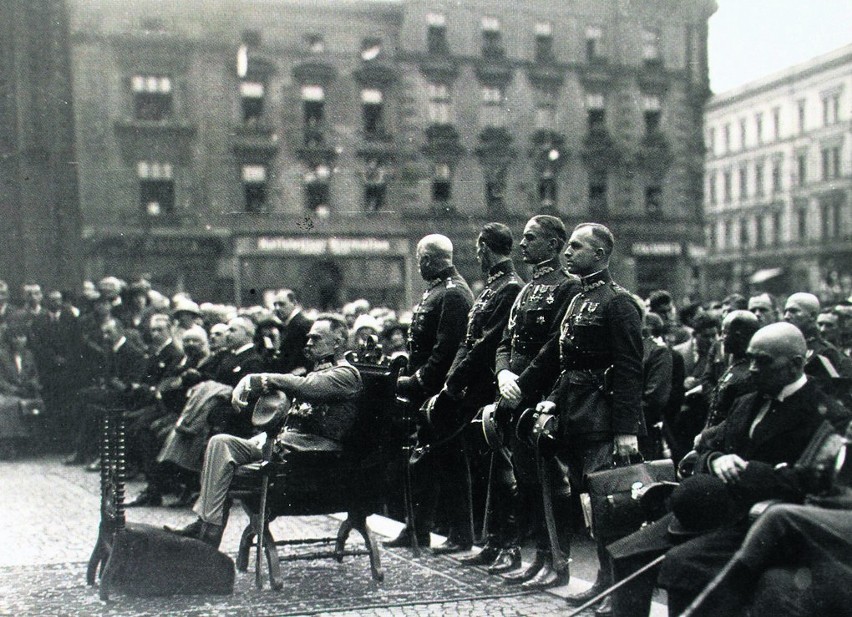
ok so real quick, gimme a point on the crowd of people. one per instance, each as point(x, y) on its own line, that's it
point(570, 372)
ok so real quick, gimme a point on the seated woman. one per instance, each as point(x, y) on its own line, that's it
point(19, 386)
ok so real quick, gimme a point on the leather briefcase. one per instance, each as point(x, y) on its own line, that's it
point(614, 496)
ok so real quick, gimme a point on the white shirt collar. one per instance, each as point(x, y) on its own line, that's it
point(119, 344)
point(245, 347)
point(163, 346)
point(296, 311)
point(791, 388)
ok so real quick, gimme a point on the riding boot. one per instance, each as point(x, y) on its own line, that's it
point(525, 574)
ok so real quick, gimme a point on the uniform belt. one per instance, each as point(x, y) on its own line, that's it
point(585, 376)
point(526, 346)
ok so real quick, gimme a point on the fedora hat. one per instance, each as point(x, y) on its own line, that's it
point(700, 504)
point(269, 408)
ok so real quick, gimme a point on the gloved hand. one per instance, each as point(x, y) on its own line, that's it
point(507, 384)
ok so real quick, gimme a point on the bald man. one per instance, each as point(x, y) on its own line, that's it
point(737, 329)
point(438, 327)
point(753, 452)
point(825, 363)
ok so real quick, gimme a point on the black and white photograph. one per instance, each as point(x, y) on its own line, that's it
point(400, 308)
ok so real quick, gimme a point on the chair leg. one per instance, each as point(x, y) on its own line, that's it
point(262, 532)
point(342, 535)
point(272, 561)
point(246, 541)
point(360, 525)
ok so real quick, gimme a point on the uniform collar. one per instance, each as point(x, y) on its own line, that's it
point(545, 267)
point(499, 270)
point(324, 363)
point(441, 276)
point(596, 279)
point(242, 349)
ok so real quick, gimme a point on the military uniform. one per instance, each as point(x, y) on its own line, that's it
point(734, 382)
point(473, 367)
point(534, 319)
point(438, 327)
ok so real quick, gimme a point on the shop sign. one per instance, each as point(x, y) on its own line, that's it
point(657, 249)
point(159, 246)
point(309, 246)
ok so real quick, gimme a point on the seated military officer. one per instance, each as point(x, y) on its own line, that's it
point(324, 408)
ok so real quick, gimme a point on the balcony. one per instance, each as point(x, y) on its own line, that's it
point(653, 77)
point(439, 68)
point(655, 154)
point(314, 71)
point(254, 140)
point(377, 144)
point(376, 74)
point(600, 151)
point(493, 68)
point(169, 139)
point(443, 142)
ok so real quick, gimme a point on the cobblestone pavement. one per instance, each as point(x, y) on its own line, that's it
point(48, 525)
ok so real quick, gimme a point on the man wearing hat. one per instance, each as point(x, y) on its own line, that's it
point(294, 332)
point(752, 453)
point(323, 411)
point(470, 381)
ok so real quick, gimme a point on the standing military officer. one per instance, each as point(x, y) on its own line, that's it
point(438, 326)
point(598, 396)
point(534, 319)
point(470, 381)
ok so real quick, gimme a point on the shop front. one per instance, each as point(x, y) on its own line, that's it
point(324, 271)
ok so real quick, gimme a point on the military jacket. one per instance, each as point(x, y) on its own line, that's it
point(599, 349)
point(535, 316)
point(438, 326)
point(473, 367)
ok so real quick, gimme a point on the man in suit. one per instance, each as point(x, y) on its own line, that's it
point(752, 452)
point(121, 370)
point(323, 412)
point(294, 333)
point(438, 327)
point(56, 341)
point(240, 360)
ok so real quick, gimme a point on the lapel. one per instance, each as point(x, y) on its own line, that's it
point(788, 416)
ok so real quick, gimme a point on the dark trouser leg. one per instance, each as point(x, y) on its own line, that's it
point(634, 599)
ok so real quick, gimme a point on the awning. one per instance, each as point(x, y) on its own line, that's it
point(761, 276)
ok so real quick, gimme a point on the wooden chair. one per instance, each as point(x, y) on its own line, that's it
point(310, 483)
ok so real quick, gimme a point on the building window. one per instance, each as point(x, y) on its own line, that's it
point(597, 196)
point(800, 107)
point(801, 168)
point(726, 233)
point(544, 42)
point(758, 127)
point(651, 112)
point(594, 43)
point(547, 188)
point(830, 159)
point(711, 188)
point(745, 236)
point(545, 109)
point(760, 225)
point(726, 187)
point(251, 100)
point(776, 177)
point(375, 186)
point(776, 228)
point(152, 97)
point(743, 182)
point(802, 215)
point(826, 220)
point(758, 179)
point(313, 110)
point(156, 188)
point(776, 122)
point(436, 34)
point(317, 190)
point(492, 106)
point(650, 46)
point(372, 111)
point(495, 189)
point(491, 44)
point(314, 43)
point(726, 138)
point(371, 49)
point(653, 200)
point(743, 134)
point(831, 108)
point(596, 112)
point(254, 188)
point(442, 183)
point(439, 104)
point(711, 141)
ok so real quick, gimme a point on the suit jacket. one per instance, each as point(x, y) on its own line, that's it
point(291, 353)
point(162, 365)
point(657, 379)
point(57, 346)
point(24, 384)
point(233, 367)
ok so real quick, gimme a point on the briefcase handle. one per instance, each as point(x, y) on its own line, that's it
point(627, 461)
